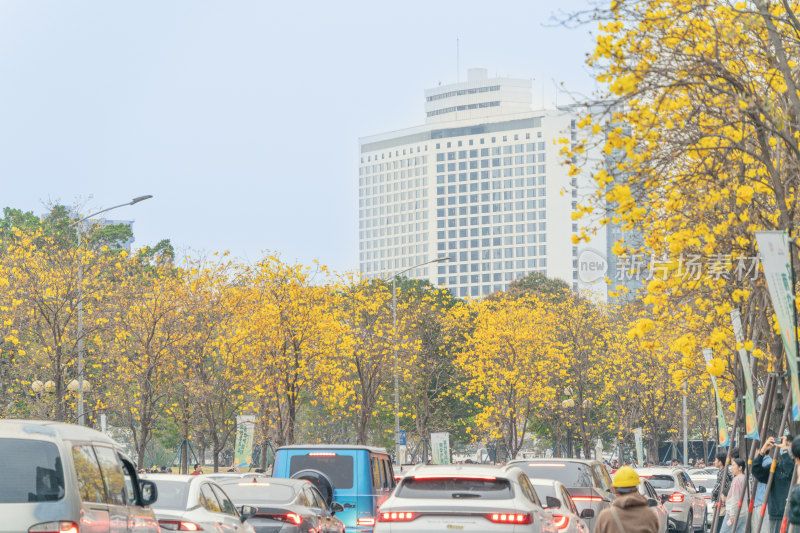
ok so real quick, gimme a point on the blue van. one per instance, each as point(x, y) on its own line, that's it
point(360, 478)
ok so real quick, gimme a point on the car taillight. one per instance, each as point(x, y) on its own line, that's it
point(675, 497)
point(587, 499)
point(509, 518)
point(54, 527)
point(289, 518)
point(561, 521)
point(179, 525)
point(368, 521)
point(392, 516)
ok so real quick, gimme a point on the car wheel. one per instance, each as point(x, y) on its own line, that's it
point(689, 519)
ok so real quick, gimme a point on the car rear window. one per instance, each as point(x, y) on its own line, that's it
point(544, 491)
point(455, 488)
point(338, 468)
point(171, 494)
point(30, 471)
point(570, 474)
point(660, 481)
point(258, 492)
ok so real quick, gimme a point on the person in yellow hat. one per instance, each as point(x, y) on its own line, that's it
point(630, 512)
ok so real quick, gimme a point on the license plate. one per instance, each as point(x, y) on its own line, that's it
point(454, 526)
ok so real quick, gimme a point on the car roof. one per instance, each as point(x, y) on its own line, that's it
point(285, 481)
point(588, 462)
point(465, 469)
point(372, 449)
point(659, 470)
point(171, 477)
point(55, 430)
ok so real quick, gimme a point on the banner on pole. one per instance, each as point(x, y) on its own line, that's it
point(639, 447)
point(440, 448)
point(744, 359)
point(722, 425)
point(243, 449)
point(773, 247)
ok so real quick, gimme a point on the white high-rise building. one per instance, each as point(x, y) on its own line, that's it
point(481, 181)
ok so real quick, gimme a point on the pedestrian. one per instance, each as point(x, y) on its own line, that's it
point(736, 493)
point(794, 495)
point(717, 494)
point(630, 512)
point(197, 470)
point(762, 463)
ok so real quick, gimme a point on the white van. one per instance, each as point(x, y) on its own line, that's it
point(62, 478)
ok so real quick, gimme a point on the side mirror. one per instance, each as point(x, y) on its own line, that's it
point(652, 503)
point(701, 489)
point(336, 507)
point(246, 512)
point(553, 503)
point(664, 498)
point(587, 513)
point(149, 492)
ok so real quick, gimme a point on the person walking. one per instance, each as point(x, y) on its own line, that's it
point(630, 512)
point(736, 493)
point(776, 501)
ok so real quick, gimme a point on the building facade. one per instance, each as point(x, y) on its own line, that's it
point(481, 182)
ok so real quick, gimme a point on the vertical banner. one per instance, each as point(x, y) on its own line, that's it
point(749, 404)
point(773, 247)
point(440, 448)
point(639, 448)
point(722, 425)
point(243, 449)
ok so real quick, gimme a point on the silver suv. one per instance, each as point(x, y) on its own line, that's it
point(684, 501)
point(587, 481)
point(64, 478)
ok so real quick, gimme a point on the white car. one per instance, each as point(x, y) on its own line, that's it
point(196, 503)
point(685, 502)
point(658, 507)
point(559, 504)
point(707, 481)
point(464, 497)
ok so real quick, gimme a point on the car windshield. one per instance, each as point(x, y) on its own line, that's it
point(258, 492)
point(338, 468)
point(660, 481)
point(171, 494)
point(445, 487)
point(570, 474)
point(31, 471)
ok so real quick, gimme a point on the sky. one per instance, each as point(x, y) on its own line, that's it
point(242, 118)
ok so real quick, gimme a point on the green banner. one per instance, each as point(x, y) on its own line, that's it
point(722, 425)
point(749, 405)
point(773, 246)
point(243, 449)
point(440, 448)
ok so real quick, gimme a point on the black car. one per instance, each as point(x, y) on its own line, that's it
point(284, 505)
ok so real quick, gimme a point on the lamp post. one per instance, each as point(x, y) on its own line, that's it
point(80, 296)
point(396, 378)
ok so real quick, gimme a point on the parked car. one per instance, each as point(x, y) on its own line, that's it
point(707, 481)
point(284, 505)
point(587, 481)
point(559, 504)
point(654, 500)
point(464, 497)
point(360, 478)
point(68, 478)
point(196, 503)
point(684, 501)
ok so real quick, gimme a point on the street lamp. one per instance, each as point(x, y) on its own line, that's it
point(80, 296)
point(396, 378)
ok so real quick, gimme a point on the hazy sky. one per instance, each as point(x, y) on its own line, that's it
point(242, 118)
